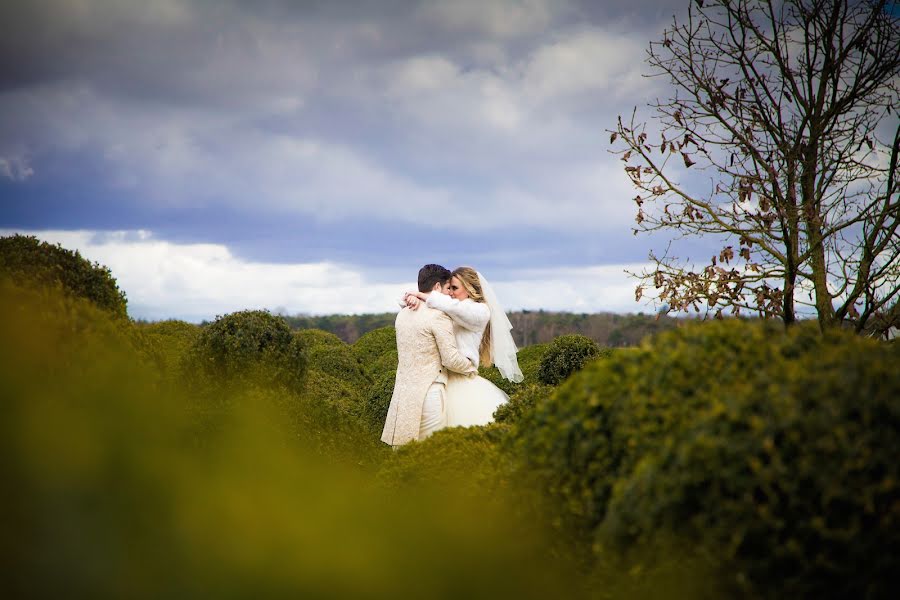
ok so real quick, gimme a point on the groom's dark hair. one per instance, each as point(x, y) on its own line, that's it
point(432, 274)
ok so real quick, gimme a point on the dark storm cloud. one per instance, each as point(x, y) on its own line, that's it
point(244, 123)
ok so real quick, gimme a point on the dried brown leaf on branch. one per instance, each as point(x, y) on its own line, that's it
point(750, 116)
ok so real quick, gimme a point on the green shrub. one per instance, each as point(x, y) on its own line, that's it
point(377, 402)
point(567, 354)
point(529, 359)
point(773, 453)
point(172, 338)
point(385, 364)
point(328, 354)
point(25, 259)
point(465, 458)
point(334, 391)
point(247, 346)
point(316, 337)
point(374, 344)
point(522, 401)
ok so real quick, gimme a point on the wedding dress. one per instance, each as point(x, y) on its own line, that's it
point(470, 400)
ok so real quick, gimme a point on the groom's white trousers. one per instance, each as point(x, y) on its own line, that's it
point(434, 411)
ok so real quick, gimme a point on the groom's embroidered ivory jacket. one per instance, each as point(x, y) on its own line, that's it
point(425, 343)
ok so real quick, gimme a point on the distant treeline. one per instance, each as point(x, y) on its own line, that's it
point(529, 327)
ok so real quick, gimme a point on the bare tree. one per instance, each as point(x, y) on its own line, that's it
point(780, 142)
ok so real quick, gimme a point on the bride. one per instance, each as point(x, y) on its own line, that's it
point(483, 336)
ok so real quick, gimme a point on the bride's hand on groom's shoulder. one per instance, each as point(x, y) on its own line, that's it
point(412, 301)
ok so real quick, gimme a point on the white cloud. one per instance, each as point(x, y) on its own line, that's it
point(602, 288)
point(16, 168)
point(497, 18)
point(199, 281)
point(585, 60)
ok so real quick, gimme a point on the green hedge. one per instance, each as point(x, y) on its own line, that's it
point(25, 259)
point(375, 344)
point(773, 453)
point(468, 459)
point(338, 361)
point(377, 401)
point(386, 364)
point(172, 338)
point(251, 346)
point(522, 401)
point(316, 337)
point(565, 355)
point(529, 359)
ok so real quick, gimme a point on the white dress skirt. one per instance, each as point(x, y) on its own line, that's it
point(472, 400)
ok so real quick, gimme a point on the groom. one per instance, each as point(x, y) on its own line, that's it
point(426, 348)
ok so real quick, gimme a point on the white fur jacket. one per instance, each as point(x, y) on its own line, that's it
point(469, 321)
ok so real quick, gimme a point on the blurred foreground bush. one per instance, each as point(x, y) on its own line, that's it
point(466, 459)
point(106, 495)
point(27, 260)
point(772, 455)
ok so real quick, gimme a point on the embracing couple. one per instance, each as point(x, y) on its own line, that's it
point(448, 328)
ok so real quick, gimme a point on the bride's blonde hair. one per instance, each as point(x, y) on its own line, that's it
point(468, 277)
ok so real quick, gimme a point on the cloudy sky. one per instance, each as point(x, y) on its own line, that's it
point(310, 156)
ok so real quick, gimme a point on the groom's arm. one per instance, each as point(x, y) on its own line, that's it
point(442, 328)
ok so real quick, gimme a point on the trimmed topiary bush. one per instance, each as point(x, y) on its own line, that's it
point(772, 453)
point(25, 259)
point(334, 391)
point(172, 338)
point(386, 364)
point(252, 346)
point(335, 376)
point(467, 459)
point(522, 401)
point(328, 354)
point(316, 337)
point(377, 400)
point(529, 359)
point(374, 344)
point(567, 354)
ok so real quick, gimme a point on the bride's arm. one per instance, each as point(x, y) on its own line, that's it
point(411, 300)
point(471, 315)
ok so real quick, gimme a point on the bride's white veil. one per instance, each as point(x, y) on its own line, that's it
point(503, 347)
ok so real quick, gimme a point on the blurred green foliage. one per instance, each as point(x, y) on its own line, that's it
point(466, 459)
point(108, 492)
point(770, 453)
point(725, 459)
point(565, 355)
point(25, 259)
